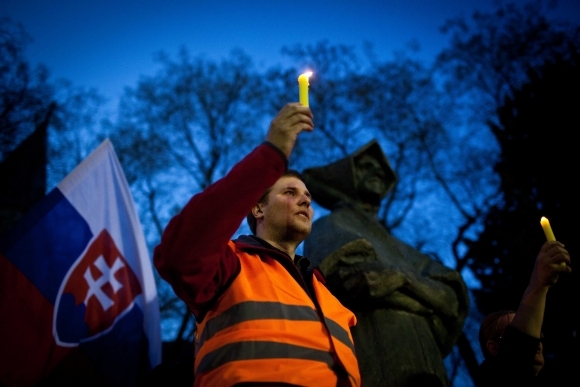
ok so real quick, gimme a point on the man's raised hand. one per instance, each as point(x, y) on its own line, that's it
point(290, 121)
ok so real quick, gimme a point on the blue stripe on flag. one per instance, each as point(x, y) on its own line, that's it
point(48, 240)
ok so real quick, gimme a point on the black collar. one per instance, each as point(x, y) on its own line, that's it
point(300, 261)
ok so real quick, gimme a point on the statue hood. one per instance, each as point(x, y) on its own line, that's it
point(335, 182)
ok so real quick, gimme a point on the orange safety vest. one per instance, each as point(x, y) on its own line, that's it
point(265, 328)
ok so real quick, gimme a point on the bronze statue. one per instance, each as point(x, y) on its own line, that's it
point(410, 308)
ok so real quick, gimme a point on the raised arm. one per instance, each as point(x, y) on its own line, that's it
point(193, 255)
point(552, 261)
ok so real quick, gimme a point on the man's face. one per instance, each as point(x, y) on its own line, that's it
point(539, 358)
point(370, 178)
point(286, 212)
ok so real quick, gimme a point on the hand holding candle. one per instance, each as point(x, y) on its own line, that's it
point(303, 87)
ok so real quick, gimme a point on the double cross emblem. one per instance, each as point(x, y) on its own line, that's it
point(107, 277)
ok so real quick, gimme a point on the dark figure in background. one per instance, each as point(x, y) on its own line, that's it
point(511, 341)
point(410, 308)
point(263, 318)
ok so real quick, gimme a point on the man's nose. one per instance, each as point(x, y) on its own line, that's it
point(305, 200)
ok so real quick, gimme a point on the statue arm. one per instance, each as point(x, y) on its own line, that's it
point(355, 268)
point(429, 289)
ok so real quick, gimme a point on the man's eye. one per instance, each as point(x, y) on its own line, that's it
point(290, 192)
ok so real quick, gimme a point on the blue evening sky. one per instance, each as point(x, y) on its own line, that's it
point(108, 44)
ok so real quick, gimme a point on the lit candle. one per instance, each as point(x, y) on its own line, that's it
point(303, 87)
point(547, 229)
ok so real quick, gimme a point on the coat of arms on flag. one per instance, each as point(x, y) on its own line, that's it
point(77, 294)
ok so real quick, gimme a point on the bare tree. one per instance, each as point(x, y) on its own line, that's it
point(491, 55)
point(27, 95)
point(25, 92)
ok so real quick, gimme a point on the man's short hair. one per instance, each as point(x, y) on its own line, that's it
point(489, 329)
point(264, 198)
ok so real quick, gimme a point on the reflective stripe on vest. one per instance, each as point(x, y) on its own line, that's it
point(256, 350)
point(264, 310)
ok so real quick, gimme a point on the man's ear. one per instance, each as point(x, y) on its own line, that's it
point(257, 211)
point(492, 347)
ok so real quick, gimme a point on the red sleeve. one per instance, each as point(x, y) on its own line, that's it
point(193, 255)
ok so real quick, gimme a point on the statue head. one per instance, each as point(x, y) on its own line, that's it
point(364, 177)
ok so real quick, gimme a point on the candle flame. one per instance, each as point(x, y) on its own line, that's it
point(308, 74)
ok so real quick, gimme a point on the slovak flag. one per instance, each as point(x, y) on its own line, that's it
point(78, 302)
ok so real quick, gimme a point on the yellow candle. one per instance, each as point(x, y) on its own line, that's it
point(547, 229)
point(303, 87)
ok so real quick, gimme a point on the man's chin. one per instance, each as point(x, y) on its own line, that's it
point(302, 230)
point(306, 231)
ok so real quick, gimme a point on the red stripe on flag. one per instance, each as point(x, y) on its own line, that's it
point(29, 351)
